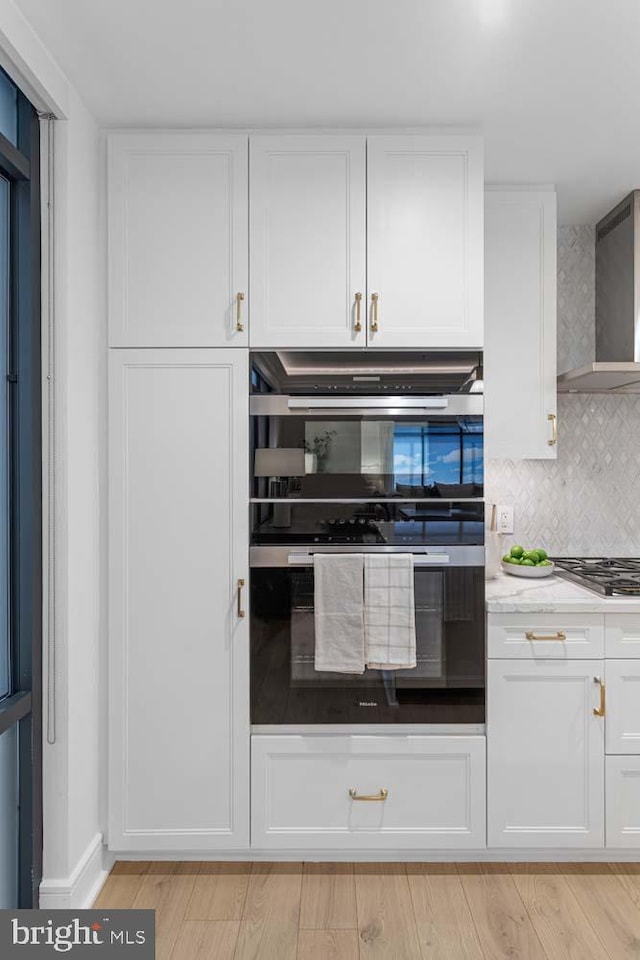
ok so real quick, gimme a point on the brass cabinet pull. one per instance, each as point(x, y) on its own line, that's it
point(368, 798)
point(554, 430)
point(602, 709)
point(241, 612)
point(239, 323)
point(358, 324)
point(560, 635)
point(374, 312)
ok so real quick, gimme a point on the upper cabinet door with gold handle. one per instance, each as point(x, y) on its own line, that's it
point(308, 240)
point(425, 208)
point(520, 354)
point(178, 247)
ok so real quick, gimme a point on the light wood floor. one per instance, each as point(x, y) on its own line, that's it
point(332, 911)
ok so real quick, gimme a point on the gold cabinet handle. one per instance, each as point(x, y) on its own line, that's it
point(560, 635)
point(241, 612)
point(239, 323)
point(369, 798)
point(374, 312)
point(358, 324)
point(552, 418)
point(602, 709)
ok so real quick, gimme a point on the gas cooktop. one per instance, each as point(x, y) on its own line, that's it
point(615, 577)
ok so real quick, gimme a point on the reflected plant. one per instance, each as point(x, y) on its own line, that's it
point(320, 446)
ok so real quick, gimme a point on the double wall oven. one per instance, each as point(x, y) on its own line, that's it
point(360, 453)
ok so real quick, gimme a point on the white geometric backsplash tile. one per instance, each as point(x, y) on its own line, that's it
point(576, 297)
point(588, 500)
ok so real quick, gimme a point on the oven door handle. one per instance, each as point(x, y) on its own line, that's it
point(367, 403)
point(419, 559)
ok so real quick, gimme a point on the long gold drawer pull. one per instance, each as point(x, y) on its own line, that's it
point(602, 709)
point(552, 418)
point(560, 635)
point(374, 312)
point(358, 324)
point(239, 323)
point(241, 612)
point(384, 793)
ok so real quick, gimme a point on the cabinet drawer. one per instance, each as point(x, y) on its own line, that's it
point(622, 635)
point(302, 786)
point(623, 706)
point(623, 802)
point(545, 636)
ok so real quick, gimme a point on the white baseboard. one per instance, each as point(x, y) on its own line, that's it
point(503, 855)
point(79, 890)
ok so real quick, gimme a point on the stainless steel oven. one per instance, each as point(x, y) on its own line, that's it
point(365, 455)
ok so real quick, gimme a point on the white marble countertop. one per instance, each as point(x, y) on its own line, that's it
point(552, 594)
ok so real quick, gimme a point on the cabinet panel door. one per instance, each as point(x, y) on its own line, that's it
point(307, 241)
point(520, 324)
point(545, 751)
point(623, 802)
point(178, 239)
point(178, 652)
point(622, 633)
point(425, 241)
point(430, 792)
point(623, 706)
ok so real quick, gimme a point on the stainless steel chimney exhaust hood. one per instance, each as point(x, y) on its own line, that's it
point(617, 364)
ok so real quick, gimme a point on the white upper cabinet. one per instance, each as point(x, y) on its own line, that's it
point(520, 324)
point(178, 240)
point(425, 241)
point(307, 234)
point(178, 636)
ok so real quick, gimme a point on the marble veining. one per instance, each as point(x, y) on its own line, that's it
point(552, 594)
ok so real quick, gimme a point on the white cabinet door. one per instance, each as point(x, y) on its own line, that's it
point(178, 651)
point(623, 802)
point(545, 750)
point(307, 239)
point(622, 635)
point(623, 706)
point(178, 239)
point(429, 792)
point(425, 241)
point(520, 324)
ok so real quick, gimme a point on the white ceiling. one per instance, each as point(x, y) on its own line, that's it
point(554, 84)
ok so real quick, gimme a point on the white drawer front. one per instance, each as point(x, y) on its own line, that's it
point(516, 636)
point(435, 792)
point(623, 706)
point(622, 635)
point(623, 802)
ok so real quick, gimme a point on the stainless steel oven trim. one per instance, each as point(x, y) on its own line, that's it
point(431, 556)
point(420, 500)
point(455, 405)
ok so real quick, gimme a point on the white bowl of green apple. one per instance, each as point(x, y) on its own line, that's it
point(527, 563)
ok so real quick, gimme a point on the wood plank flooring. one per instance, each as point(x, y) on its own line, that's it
point(411, 911)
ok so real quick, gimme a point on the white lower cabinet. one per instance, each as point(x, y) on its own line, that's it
point(623, 802)
point(623, 706)
point(545, 754)
point(368, 792)
point(178, 650)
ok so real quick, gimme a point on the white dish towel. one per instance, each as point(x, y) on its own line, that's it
point(389, 611)
point(339, 612)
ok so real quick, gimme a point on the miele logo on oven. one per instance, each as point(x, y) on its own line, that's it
point(367, 703)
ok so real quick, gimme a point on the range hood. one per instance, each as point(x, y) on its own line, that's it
point(617, 364)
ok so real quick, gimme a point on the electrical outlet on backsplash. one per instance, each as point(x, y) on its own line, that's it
point(587, 501)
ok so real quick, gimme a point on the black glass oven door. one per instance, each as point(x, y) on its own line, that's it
point(446, 686)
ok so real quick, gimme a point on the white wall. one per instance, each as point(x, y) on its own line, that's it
point(73, 816)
